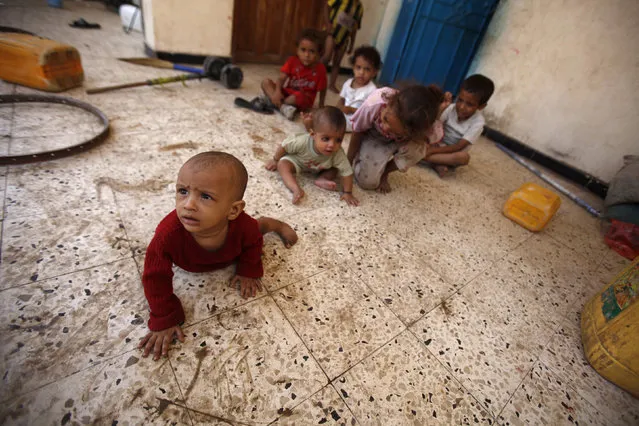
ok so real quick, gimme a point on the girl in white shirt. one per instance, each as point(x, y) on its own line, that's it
point(366, 63)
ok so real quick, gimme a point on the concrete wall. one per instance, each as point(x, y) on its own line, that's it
point(197, 27)
point(378, 25)
point(567, 78)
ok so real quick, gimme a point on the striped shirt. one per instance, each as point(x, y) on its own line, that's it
point(345, 16)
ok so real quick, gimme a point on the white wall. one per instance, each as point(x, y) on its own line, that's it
point(197, 27)
point(378, 24)
point(567, 79)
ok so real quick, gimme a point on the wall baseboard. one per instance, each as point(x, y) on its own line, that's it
point(593, 184)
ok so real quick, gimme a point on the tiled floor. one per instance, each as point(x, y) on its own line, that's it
point(424, 306)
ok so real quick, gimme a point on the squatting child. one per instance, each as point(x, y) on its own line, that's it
point(318, 151)
point(463, 123)
point(391, 131)
point(208, 230)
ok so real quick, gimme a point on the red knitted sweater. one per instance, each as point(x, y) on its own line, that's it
point(172, 244)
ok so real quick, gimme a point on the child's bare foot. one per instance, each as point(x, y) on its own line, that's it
point(287, 234)
point(334, 89)
point(297, 195)
point(327, 184)
point(441, 170)
point(384, 187)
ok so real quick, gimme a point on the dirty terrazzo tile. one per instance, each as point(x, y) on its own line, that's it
point(338, 319)
point(403, 281)
point(245, 365)
point(66, 183)
point(565, 357)
point(142, 211)
point(403, 383)
point(43, 119)
point(562, 273)
point(45, 246)
point(319, 248)
point(444, 247)
point(60, 325)
point(127, 389)
point(581, 232)
point(542, 398)
point(325, 407)
point(40, 144)
point(488, 355)
point(511, 287)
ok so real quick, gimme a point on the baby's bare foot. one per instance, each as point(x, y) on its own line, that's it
point(287, 234)
point(441, 170)
point(334, 89)
point(329, 185)
point(297, 196)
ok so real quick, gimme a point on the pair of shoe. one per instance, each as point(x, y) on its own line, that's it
point(263, 105)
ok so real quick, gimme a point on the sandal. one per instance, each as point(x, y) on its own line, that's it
point(81, 23)
point(256, 104)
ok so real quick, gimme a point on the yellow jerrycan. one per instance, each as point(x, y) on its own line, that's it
point(532, 206)
point(610, 330)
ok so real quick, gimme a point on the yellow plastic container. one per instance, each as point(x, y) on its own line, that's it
point(532, 206)
point(610, 327)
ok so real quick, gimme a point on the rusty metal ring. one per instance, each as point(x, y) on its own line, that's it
point(62, 152)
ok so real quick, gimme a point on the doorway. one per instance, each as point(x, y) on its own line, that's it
point(266, 31)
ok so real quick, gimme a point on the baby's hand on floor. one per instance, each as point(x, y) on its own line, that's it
point(248, 286)
point(159, 341)
point(271, 165)
point(350, 199)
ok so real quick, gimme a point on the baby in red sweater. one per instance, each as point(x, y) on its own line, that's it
point(208, 230)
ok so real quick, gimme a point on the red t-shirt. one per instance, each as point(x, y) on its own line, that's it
point(172, 244)
point(304, 80)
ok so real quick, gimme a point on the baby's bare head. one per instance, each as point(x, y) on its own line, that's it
point(217, 162)
point(329, 118)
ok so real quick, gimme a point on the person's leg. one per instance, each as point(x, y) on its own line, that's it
point(270, 89)
point(338, 54)
point(287, 171)
point(326, 179)
point(329, 45)
point(459, 158)
point(284, 230)
point(371, 160)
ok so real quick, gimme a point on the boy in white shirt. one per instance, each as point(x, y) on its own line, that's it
point(463, 124)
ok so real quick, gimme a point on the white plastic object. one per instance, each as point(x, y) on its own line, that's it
point(128, 12)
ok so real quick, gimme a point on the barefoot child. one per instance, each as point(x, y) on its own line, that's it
point(390, 132)
point(320, 151)
point(463, 123)
point(301, 77)
point(208, 230)
point(366, 62)
point(344, 18)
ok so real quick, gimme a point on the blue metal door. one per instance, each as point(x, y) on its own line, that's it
point(435, 40)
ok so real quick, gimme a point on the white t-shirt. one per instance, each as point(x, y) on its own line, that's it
point(354, 98)
point(454, 130)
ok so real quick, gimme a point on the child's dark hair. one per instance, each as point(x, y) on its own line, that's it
point(370, 54)
point(214, 159)
point(416, 107)
point(329, 115)
point(479, 85)
point(313, 36)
